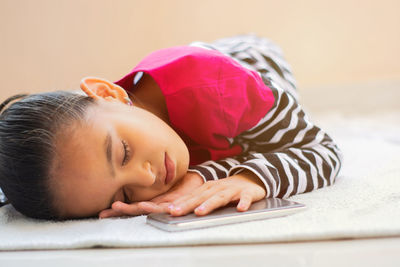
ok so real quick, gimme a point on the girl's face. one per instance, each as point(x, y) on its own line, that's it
point(118, 153)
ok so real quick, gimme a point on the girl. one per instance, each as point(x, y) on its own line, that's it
point(189, 129)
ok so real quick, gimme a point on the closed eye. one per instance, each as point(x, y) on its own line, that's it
point(127, 152)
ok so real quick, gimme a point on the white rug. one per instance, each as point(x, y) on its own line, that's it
point(364, 202)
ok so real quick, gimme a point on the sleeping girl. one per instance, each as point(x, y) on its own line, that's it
point(189, 129)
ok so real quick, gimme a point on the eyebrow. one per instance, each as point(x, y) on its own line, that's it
point(108, 150)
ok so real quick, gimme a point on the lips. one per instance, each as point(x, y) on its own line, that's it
point(170, 169)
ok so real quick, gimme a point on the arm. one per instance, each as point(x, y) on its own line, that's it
point(285, 154)
point(288, 153)
point(285, 150)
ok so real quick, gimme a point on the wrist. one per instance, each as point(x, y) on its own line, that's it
point(196, 173)
point(194, 177)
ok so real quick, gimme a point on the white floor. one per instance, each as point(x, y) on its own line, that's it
point(361, 252)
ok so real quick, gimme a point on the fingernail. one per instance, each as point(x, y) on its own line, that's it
point(170, 207)
point(200, 208)
point(177, 208)
point(242, 206)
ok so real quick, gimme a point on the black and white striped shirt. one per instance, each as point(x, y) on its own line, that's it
point(285, 149)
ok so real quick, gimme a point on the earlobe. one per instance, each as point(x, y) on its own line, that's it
point(100, 88)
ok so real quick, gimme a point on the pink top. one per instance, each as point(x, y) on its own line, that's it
point(209, 96)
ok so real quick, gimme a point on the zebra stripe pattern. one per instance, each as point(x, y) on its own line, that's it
point(285, 149)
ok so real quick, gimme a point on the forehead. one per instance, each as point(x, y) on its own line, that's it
point(79, 163)
point(83, 141)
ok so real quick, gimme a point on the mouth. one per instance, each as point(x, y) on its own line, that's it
point(169, 169)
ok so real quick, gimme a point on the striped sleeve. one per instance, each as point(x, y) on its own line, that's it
point(286, 151)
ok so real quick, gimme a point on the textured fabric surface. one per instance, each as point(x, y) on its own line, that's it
point(364, 202)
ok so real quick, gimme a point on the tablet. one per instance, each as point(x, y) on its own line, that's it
point(260, 210)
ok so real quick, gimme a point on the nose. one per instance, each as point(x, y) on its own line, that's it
point(143, 174)
point(149, 173)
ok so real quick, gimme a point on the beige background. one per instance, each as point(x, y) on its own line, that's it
point(51, 44)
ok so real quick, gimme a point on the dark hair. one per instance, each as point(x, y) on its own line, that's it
point(28, 129)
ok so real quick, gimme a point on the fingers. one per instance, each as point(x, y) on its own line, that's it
point(213, 195)
point(221, 199)
point(109, 213)
point(166, 197)
point(119, 209)
point(204, 200)
point(189, 202)
point(245, 201)
point(216, 201)
point(188, 184)
point(151, 207)
point(199, 199)
point(138, 208)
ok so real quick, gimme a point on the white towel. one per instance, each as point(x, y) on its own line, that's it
point(364, 202)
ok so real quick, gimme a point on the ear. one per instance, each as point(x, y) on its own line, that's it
point(98, 88)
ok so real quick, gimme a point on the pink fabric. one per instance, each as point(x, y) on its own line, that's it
point(209, 97)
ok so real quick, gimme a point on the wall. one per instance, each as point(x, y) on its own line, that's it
point(51, 44)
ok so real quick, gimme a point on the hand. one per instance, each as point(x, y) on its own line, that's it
point(244, 187)
point(160, 203)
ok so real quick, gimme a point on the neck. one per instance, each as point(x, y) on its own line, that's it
point(148, 95)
